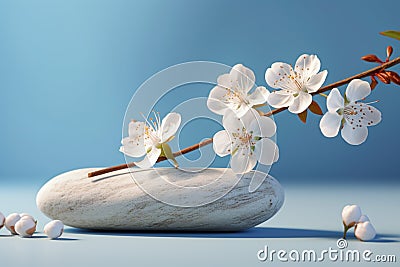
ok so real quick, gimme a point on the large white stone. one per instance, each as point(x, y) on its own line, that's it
point(115, 202)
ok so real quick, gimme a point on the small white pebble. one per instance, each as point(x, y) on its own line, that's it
point(10, 222)
point(54, 229)
point(365, 231)
point(26, 226)
point(2, 220)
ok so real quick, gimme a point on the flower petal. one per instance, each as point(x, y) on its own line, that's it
point(334, 101)
point(233, 124)
point(354, 135)
point(217, 101)
point(276, 154)
point(364, 115)
point(150, 159)
point(241, 110)
point(330, 124)
point(169, 126)
point(266, 151)
point(278, 76)
point(300, 103)
point(315, 82)
point(132, 148)
point(373, 115)
point(307, 65)
point(221, 99)
point(225, 80)
point(279, 99)
point(243, 78)
point(222, 143)
point(357, 90)
point(262, 127)
point(259, 96)
point(242, 161)
point(150, 138)
point(136, 128)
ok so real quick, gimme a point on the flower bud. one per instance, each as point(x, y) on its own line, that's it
point(26, 226)
point(363, 218)
point(371, 58)
point(10, 222)
point(350, 215)
point(22, 215)
point(2, 220)
point(54, 229)
point(364, 231)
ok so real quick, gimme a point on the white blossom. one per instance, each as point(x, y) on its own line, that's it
point(150, 139)
point(296, 84)
point(349, 114)
point(233, 92)
point(247, 140)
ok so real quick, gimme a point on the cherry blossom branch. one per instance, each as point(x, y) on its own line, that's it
point(130, 165)
point(328, 87)
point(364, 74)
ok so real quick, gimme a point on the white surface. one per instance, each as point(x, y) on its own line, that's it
point(309, 219)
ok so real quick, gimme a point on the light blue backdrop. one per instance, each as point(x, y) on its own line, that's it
point(69, 68)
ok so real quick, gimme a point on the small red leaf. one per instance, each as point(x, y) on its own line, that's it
point(383, 77)
point(394, 77)
point(373, 83)
point(371, 58)
point(315, 108)
point(303, 116)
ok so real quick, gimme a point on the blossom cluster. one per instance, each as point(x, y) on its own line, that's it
point(248, 132)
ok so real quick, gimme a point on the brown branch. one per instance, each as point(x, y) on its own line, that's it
point(272, 112)
point(129, 165)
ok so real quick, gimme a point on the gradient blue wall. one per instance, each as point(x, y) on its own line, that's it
point(69, 68)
